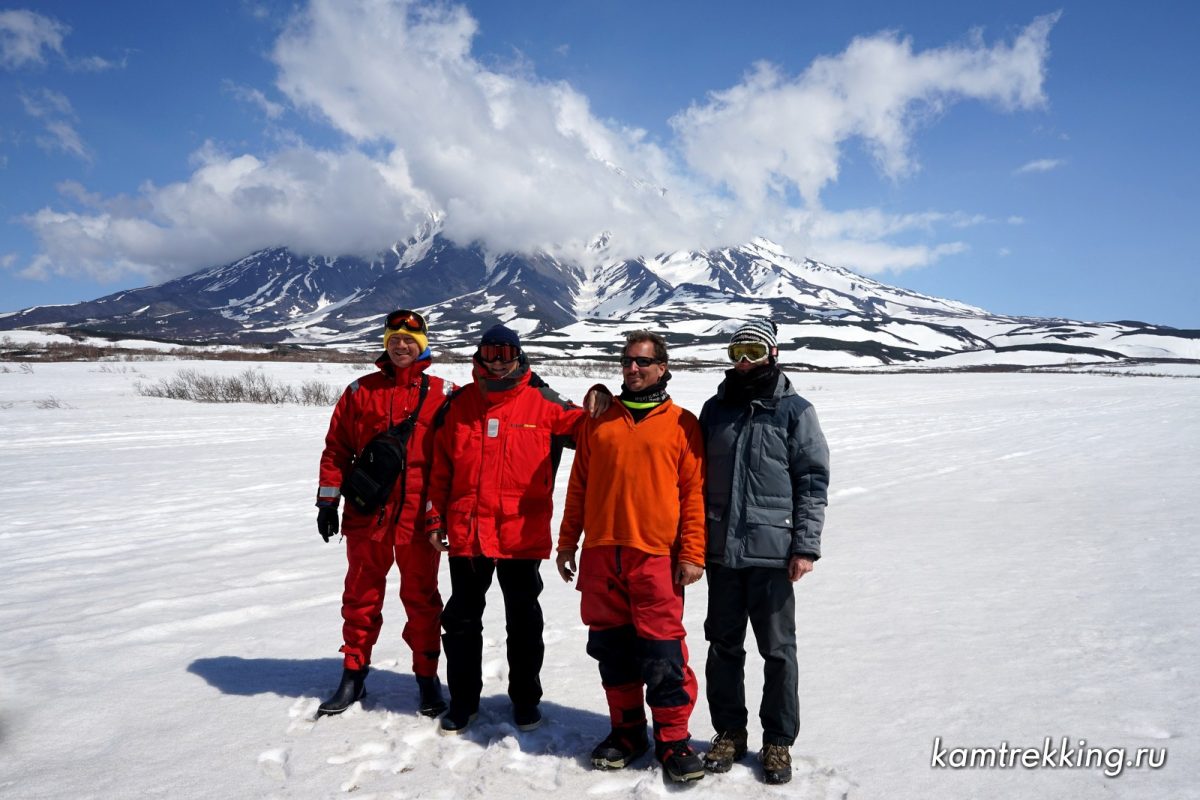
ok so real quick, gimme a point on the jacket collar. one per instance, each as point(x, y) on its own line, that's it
point(495, 390)
point(783, 388)
point(407, 375)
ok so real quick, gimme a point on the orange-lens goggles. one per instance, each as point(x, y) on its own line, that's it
point(405, 320)
point(498, 352)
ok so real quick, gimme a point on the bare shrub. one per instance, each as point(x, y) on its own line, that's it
point(50, 402)
point(251, 386)
point(316, 393)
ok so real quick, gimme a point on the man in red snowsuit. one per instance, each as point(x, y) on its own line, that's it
point(395, 533)
point(494, 458)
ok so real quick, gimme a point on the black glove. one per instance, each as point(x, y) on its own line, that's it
point(327, 522)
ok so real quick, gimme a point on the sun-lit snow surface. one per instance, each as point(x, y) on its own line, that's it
point(1007, 557)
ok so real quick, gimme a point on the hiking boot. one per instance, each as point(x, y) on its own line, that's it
point(622, 746)
point(349, 691)
point(727, 747)
point(455, 722)
point(679, 761)
point(431, 703)
point(527, 718)
point(777, 763)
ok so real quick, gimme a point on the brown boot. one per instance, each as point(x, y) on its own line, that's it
point(727, 747)
point(777, 763)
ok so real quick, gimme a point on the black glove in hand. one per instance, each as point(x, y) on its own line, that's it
point(327, 522)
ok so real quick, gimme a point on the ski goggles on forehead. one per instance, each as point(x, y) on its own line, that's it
point(641, 361)
point(498, 352)
point(405, 320)
point(747, 351)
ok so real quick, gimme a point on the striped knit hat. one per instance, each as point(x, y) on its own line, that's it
point(756, 330)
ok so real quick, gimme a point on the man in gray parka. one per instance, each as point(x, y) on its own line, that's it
point(767, 477)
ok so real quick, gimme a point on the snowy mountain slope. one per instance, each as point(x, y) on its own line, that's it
point(829, 316)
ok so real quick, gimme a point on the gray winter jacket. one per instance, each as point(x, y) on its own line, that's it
point(767, 478)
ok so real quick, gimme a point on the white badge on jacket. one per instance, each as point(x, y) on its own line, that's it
point(493, 428)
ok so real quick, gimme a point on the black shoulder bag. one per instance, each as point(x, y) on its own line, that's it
point(382, 462)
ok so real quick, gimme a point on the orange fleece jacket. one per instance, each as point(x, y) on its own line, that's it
point(638, 485)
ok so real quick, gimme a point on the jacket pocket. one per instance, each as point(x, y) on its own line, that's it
point(768, 532)
point(525, 505)
point(459, 515)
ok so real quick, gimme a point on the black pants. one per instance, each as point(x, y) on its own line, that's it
point(462, 623)
point(765, 597)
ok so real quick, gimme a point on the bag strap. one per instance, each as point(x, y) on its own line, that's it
point(411, 419)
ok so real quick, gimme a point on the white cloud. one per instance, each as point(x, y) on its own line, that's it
point(874, 257)
point(94, 64)
point(26, 37)
point(255, 97)
point(520, 163)
point(231, 206)
point(53, 110)
point(772, 132)
point(1040, 165)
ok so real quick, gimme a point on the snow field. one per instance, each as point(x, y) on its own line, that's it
point(1007, 558)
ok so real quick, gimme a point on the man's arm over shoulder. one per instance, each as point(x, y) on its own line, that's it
point(808, 468)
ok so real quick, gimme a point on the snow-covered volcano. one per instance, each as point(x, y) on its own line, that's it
point(828, 316)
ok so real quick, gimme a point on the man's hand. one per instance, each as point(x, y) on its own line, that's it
point(597, 400)
point(327, 522)
point(798, 567)
point(566, 564)
point(686, 574)
point(437, 538)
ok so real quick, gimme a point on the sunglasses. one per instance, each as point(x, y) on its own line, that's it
point(498, 352)
point(641, 361)
point(405, 320)
point(748, 351)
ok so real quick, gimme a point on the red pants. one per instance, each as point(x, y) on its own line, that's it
point(362, 601)
point(634, 613)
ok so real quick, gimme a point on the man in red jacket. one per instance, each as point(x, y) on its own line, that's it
point(399, 394)
point(494, 457)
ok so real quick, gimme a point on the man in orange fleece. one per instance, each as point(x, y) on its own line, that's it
point(637, 491)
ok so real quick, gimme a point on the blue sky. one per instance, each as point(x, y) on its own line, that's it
point(1029, 158)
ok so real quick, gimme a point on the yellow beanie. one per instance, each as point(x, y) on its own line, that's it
point(421, 339)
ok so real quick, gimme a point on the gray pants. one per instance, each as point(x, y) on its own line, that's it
point(766, 598)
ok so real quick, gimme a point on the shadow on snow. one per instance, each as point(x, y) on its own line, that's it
point(567, 731)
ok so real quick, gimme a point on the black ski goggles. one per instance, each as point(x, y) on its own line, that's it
point(498, 352)
point(404, 320)
point(641, 361)
point(748, 351)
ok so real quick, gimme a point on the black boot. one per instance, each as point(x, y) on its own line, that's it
point(432, 703)
point(349, 691)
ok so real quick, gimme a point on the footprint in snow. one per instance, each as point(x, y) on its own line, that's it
point(273, 763)
point(365, 750)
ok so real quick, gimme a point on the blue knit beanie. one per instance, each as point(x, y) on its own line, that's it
point(498, 334)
